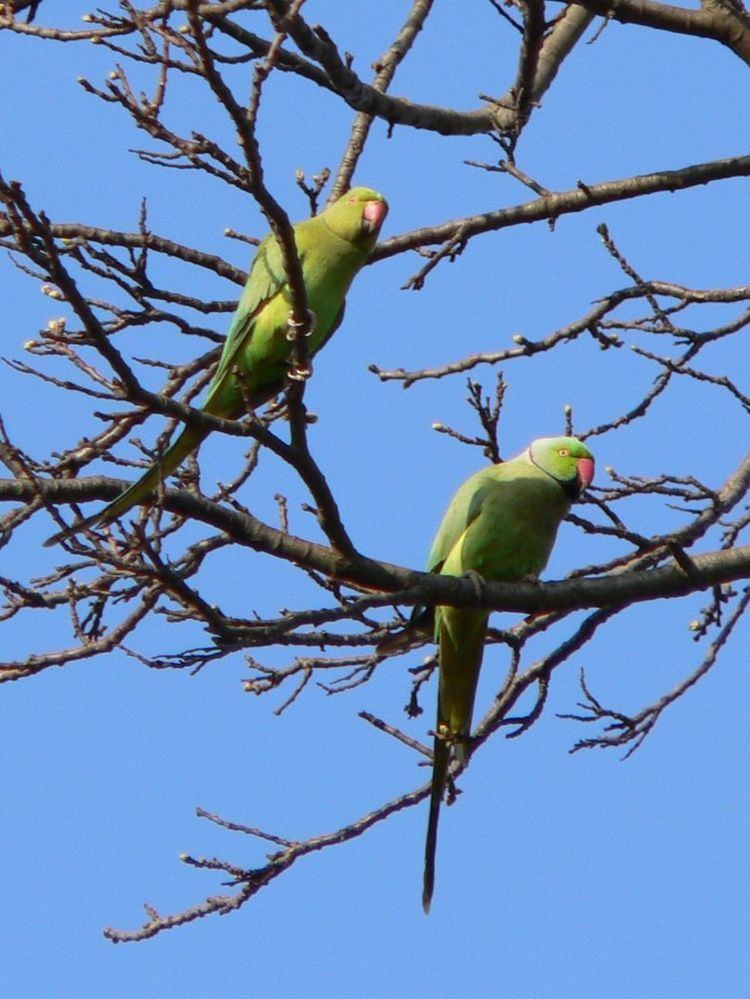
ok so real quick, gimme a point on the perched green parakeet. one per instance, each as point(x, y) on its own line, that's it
point(332, 247)
point(500, 525)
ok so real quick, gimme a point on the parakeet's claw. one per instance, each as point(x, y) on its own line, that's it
point(300, 373)
point(458, 742)
point(477, 581)
point(299, 370)
point(443, 732)
point(293, 327)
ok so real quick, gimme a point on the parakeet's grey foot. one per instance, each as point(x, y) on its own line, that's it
point(477, 581)
point(293, 327)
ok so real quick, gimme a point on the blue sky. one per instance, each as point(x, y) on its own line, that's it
point(558, 876)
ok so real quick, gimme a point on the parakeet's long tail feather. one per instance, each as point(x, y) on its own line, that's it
point(461, 636)
point(172, 458)
point(441, 757)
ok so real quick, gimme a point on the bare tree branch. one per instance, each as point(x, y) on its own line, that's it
point(727, 23)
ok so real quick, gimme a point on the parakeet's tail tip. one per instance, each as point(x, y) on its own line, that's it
point(54, 538)
point(72, 530)
point(426, 903)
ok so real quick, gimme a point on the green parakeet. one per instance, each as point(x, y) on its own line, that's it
point(501, 525)
point(332, 247)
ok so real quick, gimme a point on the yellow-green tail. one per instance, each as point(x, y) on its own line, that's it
point(461, 635)
point(141, 490)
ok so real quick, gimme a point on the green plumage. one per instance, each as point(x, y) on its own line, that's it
point(500, 526)
point(332, 247)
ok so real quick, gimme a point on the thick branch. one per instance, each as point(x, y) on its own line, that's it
point(723, 22)
point(408, 586)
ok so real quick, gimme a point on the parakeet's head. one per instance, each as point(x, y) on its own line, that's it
point(566, 459)
point(357, 215)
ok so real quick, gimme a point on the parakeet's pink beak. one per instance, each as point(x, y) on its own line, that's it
point(585, 472)
point(373, 214)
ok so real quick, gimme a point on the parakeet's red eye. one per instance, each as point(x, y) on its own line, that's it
point(563, 452)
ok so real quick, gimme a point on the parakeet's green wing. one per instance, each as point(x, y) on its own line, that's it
point(464, 508)
point(266, 279)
